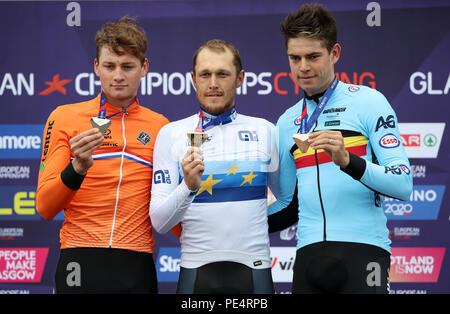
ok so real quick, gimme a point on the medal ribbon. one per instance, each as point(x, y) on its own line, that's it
point(305, 123)
point(207, 121)
point(102, 110)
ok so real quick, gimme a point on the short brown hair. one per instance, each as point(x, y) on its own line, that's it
point(126, 35)
point(220, 45)
point(312, 21)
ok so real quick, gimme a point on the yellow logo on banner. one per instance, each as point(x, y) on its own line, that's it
point(24, 204)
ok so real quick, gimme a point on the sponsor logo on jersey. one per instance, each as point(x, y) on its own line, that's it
point(388, 123)
point(334, 110)
point(47, 140)
point(144, 138)
point(389, 141)
point(248, 136)
point(405, 169)
point(353, 88)
point(161, 176)
point(333, 123)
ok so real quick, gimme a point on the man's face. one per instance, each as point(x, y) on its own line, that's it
point(312, 66)
point(120, 76)
point(216, 80)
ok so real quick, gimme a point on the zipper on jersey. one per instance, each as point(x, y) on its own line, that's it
point(120, 179)
point(320, 194)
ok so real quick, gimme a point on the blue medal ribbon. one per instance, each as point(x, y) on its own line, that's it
point(207, 120)
point(102, 110)
point(305, 123)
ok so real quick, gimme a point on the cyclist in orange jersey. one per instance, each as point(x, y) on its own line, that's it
point(103, 181)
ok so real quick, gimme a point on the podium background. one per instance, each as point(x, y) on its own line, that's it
point(406, 58)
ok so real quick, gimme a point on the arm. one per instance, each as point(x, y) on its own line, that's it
point(58, 179)
point(284, 211)
point(285, 217)
point(389, 173)
point(171, 198)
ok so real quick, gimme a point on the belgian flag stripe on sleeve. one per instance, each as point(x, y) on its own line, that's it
point(354, 144)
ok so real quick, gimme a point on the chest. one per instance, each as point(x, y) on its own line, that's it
point(237, 142)
point(341, 115)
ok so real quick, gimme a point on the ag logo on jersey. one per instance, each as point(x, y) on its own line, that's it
point(386, 124)
point(144, 138)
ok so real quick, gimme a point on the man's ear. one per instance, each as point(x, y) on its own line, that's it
point(193, 79)
point(240, 78)
point(335, 53)
point(145, 67)
point(96, 66)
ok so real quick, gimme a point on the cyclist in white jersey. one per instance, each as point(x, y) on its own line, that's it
point(217, 192)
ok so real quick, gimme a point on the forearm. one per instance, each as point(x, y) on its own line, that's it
point(285, 217)
point(55, 194)
point(389, 180)
point(167, 210)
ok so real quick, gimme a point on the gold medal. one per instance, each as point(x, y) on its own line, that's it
point(101, 124)
point(197, 138)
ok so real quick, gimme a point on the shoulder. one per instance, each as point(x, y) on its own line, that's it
point(361, 92)
point(69, 111)
point(153, 116)
point(368, 100)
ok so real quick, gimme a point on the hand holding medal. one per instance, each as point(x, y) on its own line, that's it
point(302, 138)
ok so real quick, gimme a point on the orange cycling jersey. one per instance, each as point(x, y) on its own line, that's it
point(109, 207)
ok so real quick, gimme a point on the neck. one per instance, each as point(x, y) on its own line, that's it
point(227, 109)
point(119, 103)
point(318, 93)
point(321, 90)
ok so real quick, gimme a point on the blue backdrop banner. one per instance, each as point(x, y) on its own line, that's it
point(398, 47)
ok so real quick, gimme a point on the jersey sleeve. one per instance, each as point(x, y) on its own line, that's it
point(57, 181)
point(170, 198)
point(287, 170)
point(273, 170)
point(389, 173)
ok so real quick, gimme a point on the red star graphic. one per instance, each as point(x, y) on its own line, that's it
point(55, 85)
